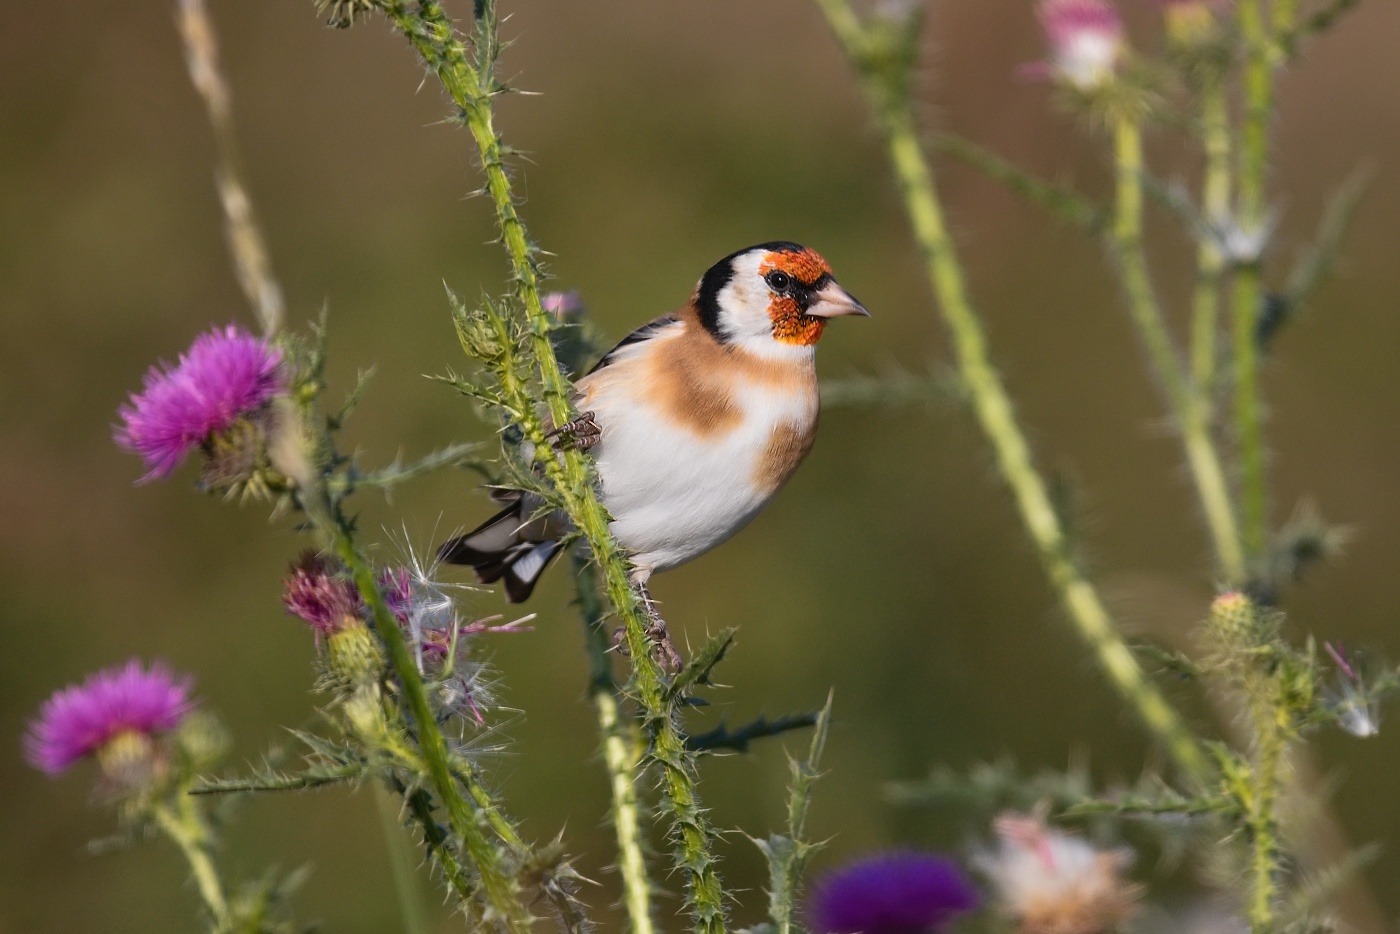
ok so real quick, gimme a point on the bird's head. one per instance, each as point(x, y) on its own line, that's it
point(774, 293)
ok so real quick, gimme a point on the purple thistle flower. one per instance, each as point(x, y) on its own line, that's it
point(80, 719)
point(1086, 42)
point(225, 375)
point(892, 893)
point(326, 602)
point(396, 584)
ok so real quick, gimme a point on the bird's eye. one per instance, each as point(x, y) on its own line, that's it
point(779, 281)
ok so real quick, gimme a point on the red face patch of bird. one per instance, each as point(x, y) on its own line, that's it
point(794, 275)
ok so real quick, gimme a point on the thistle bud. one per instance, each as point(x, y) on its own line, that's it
point(1232, 618)
point(353, 655)
point(1191, 24)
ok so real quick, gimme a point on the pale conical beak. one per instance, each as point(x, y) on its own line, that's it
point(833, 302)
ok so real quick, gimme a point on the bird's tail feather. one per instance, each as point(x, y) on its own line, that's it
point(497, 550)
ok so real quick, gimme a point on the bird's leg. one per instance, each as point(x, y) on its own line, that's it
point(580, 434)
point(662, 649)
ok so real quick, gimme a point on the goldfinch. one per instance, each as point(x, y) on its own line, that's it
point(695, 421)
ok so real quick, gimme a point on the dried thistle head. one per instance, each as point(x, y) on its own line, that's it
point(1052, 882)
point(342, 14)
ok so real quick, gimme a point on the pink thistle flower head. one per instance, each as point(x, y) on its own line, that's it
point(1054, 881)
point(328, 603)
point(1086, 42)
point(118, 706)
point(563, 305)
point(225, 376)
point(891, 893)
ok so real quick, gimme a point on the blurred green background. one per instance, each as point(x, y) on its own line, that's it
point(892, 569)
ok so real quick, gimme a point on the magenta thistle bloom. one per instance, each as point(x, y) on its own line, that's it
point(326, 602)
point(1086, 41)
point(396, 584)
point(892, 893)
point(225, 375)
point(81, 719)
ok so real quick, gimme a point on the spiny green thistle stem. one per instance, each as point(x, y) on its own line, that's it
point(184, 825)
point(992, 405)
point(788, 855)
point(472, 85)
point(1187, 406)
point(1210, 259)
point(1248, 292)
point(254, 272)
point(1261, 816)
point(1264, 846)
point(435, 841)
point(437, 760)
point(622, 754)
point(468, 823)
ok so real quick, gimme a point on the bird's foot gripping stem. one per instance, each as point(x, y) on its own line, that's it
point(580, 434)
point(661, 648)
point(663, 651)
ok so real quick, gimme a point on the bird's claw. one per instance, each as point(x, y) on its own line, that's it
point(580, 434)
point(663, 651)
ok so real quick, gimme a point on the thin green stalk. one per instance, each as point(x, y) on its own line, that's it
point(401, 862)
point(472, 87)
point(187, 830)
point(993, 408)
point(1187, 406)
point(1248, 292)
point(1210, 259)
point(251, 262)
point(622, 754)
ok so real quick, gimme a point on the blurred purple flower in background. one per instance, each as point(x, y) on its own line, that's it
point(1086, 42)
point(562, 305)
point(224, 376)
point(80, 720)
point(892, 893)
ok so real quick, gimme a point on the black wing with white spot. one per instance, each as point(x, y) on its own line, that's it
point(643, 333)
